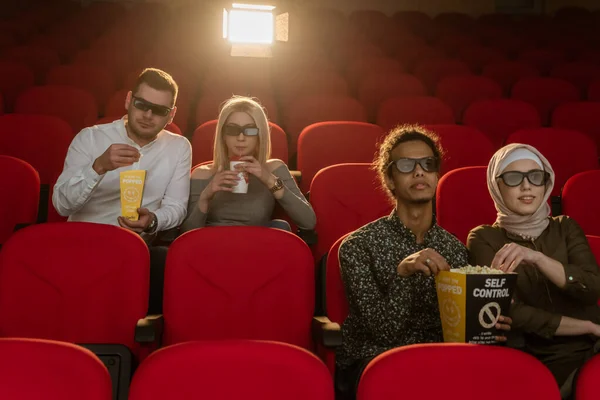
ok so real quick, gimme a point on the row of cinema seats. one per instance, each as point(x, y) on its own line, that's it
point(269, 370)
point(55, 284)
point(572, 154)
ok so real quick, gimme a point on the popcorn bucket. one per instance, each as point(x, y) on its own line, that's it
point(471, 300)
point(132, 190)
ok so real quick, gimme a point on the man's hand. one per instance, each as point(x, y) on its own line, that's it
point(503, 324)
point(116, 156)
point(141, 224)
point(428, 261)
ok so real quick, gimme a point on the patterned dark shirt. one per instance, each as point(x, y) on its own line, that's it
point(387, 310)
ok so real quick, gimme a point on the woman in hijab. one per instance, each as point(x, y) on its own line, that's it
point(558, 285)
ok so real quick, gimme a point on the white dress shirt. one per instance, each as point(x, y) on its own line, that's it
point(83, 195)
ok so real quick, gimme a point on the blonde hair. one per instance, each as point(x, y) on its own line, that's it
point(255, 110)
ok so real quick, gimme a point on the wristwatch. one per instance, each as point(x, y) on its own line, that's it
point(277, 186)
point(153, 225)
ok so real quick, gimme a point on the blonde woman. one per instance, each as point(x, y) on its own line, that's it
point(243, 134)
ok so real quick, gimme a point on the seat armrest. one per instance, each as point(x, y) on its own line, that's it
point(150, 329)
point(326, 333)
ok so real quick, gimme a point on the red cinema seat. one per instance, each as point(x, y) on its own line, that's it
point(232, 370)
point(327, 143)
point(507, 73)
point(376, 88)
point(413, 110)
point(569, 152)
point(430, 72)
point(239, 282)
point(581, 116)
point(499, 118)
point(464, 189)
point(44, 369)
point(75, 106)
point(576, 204)
point(459, 92)
point(14, 78)
point(39, 59)
point(379, 379)
point(345, 197)
point(21, 183)
point(580, 74)
point(545, 94)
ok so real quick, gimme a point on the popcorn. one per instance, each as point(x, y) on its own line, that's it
point(470, 269)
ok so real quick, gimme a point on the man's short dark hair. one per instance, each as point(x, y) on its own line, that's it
point(159, 80)
point(403, 134)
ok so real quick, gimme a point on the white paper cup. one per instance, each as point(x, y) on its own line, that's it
point(242, 185)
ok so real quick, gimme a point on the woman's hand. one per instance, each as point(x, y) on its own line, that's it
point(221, 181)
point(511, 255)
point(503, 324)
point(252, 166)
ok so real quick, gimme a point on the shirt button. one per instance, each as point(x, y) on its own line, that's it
point(570, 278)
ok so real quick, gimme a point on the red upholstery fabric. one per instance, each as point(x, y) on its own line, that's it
point(576, 195)
point(587, 381)
point(413, 110)
point(230, 370)
point(66, 46)
point(545, 94)
point(324, 83)
point(361, 68)
point(14, 79)
point(51, 138)
point(308, 110)
point(115, 106)
point(239, 282)
point(345, 197)
point(172, 127)
point(96, 80)
point(430, 72)
point(414, 363)
point(542, 59)
point(43, 369)
point(55, 284)
point(463, 146)
point(579, 116)
point(204, 136)
point(507, 73)
point(328, 143)
point(375, 88)
point(477, 57)
point(77, 107)
point(21, 184)
point(569, 152)
point(501, 117)
point(461, 91)
point(594, 91)
point(580, 74)
point(464, 189)
point(39, 59)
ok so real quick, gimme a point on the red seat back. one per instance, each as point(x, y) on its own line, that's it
point(239, 282)
point(569, 152)
point(461, 91)
point(21, 184)
point(14, 78)
point(376, 88)
point(305, 111)
point(587, 380)
point(75, 106)
point(430, 72)
point(43, 369)
point(463, 146)
point(345, 197)
point(580, 74)
point(413, 110)
point(260, 370)
point(54, 284)
point(39, 59)
point(96, 80)
point(576, 195)
point(581, 116)
point(379, 380)
point(542, 59)
point(507, 73)
point(328, 143)
point(336, 302)
point(203, 142)
point(545, 94)
point(464, 189)
point(501, 117)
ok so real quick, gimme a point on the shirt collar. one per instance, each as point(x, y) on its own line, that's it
point(400, 228)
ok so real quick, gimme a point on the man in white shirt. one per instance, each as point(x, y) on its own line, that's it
point(89, 187)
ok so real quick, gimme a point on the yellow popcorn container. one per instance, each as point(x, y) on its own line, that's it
point(471, 304)
point(132, 190)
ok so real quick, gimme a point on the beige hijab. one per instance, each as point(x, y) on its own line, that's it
point(526, 226)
